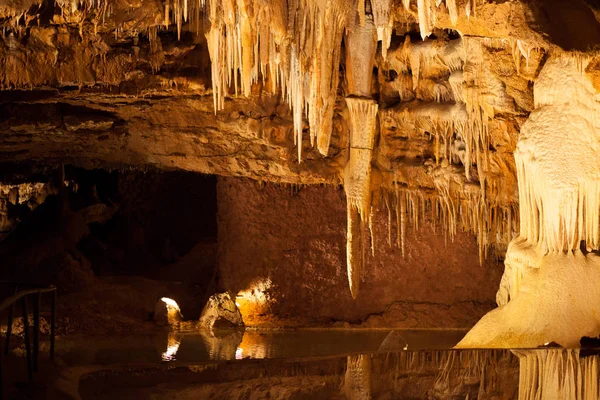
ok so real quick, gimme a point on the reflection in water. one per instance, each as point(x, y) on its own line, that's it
point(173, 343)
point(353, 365)
point(557, 374)
point(474, 374)
point(222, 344)
point(357, 380)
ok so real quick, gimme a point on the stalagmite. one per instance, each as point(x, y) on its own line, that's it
point(550, 290)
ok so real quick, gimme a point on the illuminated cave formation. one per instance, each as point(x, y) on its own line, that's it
point(459, 120)
point(549, 292)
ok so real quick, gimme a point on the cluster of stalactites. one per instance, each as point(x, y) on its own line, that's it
point(296, 48)
point(450, 211)
point(427, 13)
point(468, 116)
point(558, 220)
point(185, 11)
point(73, 5)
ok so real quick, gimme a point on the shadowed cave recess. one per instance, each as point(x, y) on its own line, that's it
point(341, 199)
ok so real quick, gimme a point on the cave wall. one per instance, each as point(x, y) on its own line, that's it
point(287, 235)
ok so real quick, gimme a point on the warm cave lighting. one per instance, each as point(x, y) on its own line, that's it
point(255, 300)
point(173, 310)
point(239, 353)
point(170, 303)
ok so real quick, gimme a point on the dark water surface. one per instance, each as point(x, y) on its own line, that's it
point(323, 364)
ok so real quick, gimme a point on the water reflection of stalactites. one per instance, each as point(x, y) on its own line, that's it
point(557, 374)
point(222, 344)
point(480, 374)
point(357, 380)
point(477, 373)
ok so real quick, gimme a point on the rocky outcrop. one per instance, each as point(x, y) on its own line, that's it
point(220, 311)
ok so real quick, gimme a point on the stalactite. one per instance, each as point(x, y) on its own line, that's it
point(357, 181)
point(384, 23)
point(452, 11)
point(299, 52)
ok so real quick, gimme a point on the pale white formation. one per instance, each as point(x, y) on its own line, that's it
point(361, 45)
point(384, 23)
point(427, 13)
point(357, 183)
point(550, 290)
point(296, 49)
point(557, 374)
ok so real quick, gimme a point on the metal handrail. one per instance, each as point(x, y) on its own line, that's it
point(10, 304)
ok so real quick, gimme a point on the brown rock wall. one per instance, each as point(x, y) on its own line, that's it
point(296, 238)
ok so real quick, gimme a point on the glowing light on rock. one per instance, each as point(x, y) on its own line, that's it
point(256, 299)
point(167, 312)
point(170, 303)
point(220, 308)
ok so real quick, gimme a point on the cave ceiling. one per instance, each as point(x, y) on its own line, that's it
point(130, 83)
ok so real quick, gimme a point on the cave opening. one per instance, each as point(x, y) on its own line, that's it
point(82, 230)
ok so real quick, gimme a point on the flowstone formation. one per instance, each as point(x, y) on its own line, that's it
point(550, 290)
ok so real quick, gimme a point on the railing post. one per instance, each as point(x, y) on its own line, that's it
point(26, 333)
point(36, 329)
point(11, 311)
point(52, 324)
point(2, 376)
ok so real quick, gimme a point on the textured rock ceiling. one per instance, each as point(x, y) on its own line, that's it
point(113, 83)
